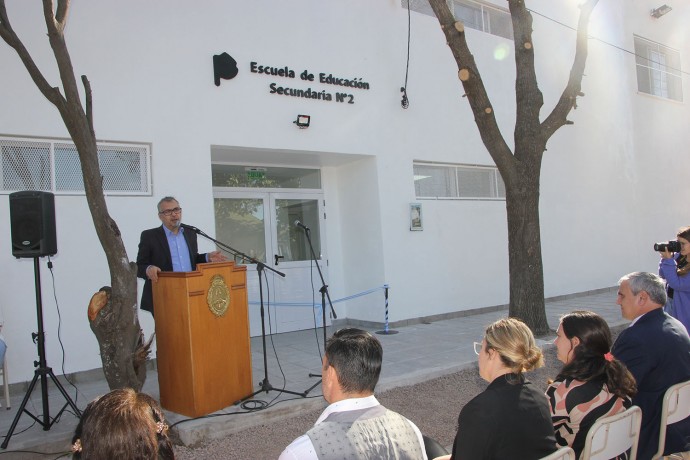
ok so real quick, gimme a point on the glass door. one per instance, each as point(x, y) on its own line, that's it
point(264, 226)
point(291, 245)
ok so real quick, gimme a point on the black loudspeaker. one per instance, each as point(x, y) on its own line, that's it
point(32, 220)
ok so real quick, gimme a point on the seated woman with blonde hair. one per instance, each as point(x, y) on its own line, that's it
point(592, 383)
point(125, 425)
point(510, 419)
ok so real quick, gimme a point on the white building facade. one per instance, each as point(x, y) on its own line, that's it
point(407, 198)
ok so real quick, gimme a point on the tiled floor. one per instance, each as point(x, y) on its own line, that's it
point(416, 353)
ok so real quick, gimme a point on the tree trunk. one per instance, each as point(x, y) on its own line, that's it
point(122, 347)
point(520, 170)
point(115, 324)
point(524, 253)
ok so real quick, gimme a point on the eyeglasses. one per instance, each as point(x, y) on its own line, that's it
point(169, 212)
point(477, 347)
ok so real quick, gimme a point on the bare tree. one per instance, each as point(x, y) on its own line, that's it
point(521, 168)
point(113, 312)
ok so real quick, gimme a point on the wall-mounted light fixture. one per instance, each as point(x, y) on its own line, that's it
point(302, 121)
point(662, 10)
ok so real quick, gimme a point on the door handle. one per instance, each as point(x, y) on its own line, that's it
point(277, 257)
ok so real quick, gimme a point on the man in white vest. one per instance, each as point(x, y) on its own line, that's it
point(355, 425)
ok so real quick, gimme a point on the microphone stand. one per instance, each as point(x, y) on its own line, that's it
point(324, 295)
point(264, 385)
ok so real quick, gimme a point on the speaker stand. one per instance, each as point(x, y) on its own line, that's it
point(43, 372)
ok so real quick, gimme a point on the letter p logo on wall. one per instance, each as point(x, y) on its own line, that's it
point(225, 67)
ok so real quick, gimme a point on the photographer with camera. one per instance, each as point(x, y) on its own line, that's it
point(674, 268)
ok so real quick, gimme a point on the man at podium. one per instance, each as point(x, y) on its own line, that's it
point(168, 248)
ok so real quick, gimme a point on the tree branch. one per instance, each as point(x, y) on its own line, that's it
point(474, 88)
point(89, 104)
point(61, 13)
point(10, 37)
point(567, 102)
point(529, 98)
point(56, 38)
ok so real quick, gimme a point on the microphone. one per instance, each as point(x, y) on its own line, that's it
point(300, 224)
point(189, 227)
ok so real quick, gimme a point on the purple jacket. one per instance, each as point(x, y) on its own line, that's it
point(681, 289)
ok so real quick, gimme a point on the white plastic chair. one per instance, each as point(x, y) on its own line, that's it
point(676, 407)
point(613, 435)
point(6, 383)
point(564, 453)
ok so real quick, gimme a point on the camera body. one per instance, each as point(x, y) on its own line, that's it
point(673, 246)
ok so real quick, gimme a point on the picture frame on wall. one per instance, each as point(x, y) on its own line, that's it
point(416, 217)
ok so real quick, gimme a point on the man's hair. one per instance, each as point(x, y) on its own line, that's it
point(125, 425)
point(650, 283)
point(356, 356)
point(166, 199)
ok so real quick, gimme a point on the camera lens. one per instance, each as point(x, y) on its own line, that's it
point(673, 246)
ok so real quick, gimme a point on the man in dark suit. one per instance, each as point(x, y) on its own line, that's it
point(168, 248)
point(656, 350)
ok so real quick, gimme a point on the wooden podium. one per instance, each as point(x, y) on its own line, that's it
point(202, 336)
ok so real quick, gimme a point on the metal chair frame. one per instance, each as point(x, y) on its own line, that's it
point(6, 384)
point(613, 435)
point(676, 407)
point(564, 453)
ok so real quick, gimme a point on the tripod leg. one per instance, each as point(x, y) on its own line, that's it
point(306, 392)
point(64, 393)
point(21, 409)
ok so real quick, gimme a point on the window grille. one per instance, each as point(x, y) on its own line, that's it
point(51, 165)
point(474, 14)
point(471, 182)
point(658, 69)
point(25, 165)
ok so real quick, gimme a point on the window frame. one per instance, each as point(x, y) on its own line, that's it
point(53, 144)
point(485, 11)
point(661, 77)
point(496, 181)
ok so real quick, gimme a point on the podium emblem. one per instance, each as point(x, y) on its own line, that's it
point(218, 296)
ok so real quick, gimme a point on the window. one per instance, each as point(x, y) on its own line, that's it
point(473, 182)
point(225, 175)
point(473, 14)
point(658, 69)
point(481, 17)
point(50, 165)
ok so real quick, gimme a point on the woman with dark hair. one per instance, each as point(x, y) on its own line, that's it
point(592, 383)
point(125, 425)
point(510, 419)
point(674, 268)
